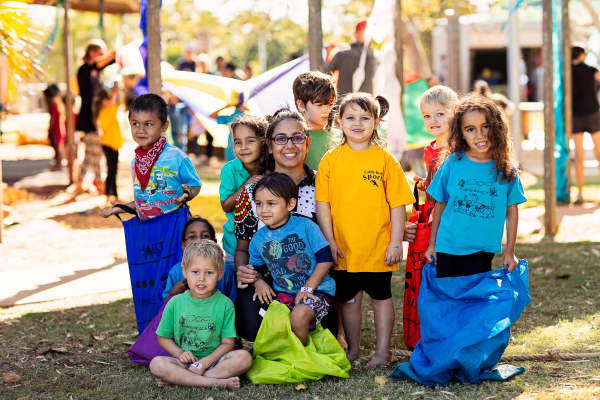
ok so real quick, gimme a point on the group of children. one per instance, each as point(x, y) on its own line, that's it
point(360, 194)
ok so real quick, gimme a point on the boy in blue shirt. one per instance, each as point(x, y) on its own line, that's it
point(198, 327)
point(163, 176)
point(295, 251)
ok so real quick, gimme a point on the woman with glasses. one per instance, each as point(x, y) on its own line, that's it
point(288, 143)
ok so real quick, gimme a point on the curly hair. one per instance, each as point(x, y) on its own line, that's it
point(500, 142)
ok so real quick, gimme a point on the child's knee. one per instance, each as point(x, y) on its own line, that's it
point(158, 366)
point(243, 359)
point(301, 316)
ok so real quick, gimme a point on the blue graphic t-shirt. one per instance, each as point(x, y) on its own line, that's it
point(289, 253)
point(476, 203)
point(172, 169)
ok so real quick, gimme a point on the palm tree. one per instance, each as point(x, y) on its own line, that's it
point(19, 39)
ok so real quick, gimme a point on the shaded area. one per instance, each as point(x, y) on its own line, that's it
point(13, 171)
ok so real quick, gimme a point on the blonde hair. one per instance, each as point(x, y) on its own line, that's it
point(204, 248)
point(442, 95)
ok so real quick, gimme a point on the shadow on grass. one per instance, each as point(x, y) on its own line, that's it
point(57, 357)
point(10, 301)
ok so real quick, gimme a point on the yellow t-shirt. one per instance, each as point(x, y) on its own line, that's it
point(361, 187)
point(108, 125)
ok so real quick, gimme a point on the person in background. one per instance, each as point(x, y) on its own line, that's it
point(229, 70)
point(56, 128)
point(586, 112)
point(347, 61)
point(180, 117)
point(88, 80)
point(220, 66)
point(189, 62)
point(202, 62)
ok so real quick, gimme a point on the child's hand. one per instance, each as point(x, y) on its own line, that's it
point(263, 292)
point(393, 254)
point(199, 367)
point(303, 295)
point(511, 260)
point(430, 253)
point(107, 212)
point(254, 179)
point(186, 196)
point(410, 231)
point(335, 252)
point(187, 357)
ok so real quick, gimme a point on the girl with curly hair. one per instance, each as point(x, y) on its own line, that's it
point(476, 189)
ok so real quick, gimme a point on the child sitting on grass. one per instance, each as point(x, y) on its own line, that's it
point(198, 327)
point(198, 228)
point(296, 253)
point(315, 95)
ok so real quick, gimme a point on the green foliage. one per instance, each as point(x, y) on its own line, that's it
point(18, 42)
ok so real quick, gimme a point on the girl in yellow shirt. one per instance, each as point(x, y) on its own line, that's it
point(361, 194)
point(111, 139)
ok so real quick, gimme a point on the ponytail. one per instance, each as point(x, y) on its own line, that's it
point(384, 106)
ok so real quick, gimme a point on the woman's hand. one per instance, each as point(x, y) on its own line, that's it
point(263, 292)
point(300, 296)
point(253, 179)
point(245, 274)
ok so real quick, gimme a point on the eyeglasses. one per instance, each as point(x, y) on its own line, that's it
point(282, 140)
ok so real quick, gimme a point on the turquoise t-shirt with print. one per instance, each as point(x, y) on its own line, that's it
point(233, 176)
point(290, 254)
point(476, 202)
point(172, 169)
point(198, 325)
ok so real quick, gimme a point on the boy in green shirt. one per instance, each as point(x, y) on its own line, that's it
point(315, 95)
point(198, 327)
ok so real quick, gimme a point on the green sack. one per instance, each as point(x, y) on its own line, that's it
point(280, 357)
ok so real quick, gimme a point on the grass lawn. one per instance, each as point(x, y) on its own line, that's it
point(80, 353)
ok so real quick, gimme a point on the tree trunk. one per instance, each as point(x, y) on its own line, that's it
point(315, 35)
point(70, 129)
point(154, 51)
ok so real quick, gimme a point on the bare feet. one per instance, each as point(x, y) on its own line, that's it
point(377, 360)
point(352, 355)
point(231, 383)
point(160, 383)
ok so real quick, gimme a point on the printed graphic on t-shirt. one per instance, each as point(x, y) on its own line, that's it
point(374, 177)
point(288, 263)
point(198, 332)
point(475, 198)
point(158, 198)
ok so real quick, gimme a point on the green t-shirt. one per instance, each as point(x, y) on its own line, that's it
point(318, 147)
point(198, 325)
point(233, 176)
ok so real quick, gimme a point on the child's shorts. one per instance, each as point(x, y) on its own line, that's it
point(452, 265)
point(320, 305)
point(378, 285)
point(209, 368)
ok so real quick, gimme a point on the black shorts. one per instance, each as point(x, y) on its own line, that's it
point(378, 285)
point(451, 265)
point(586, 123)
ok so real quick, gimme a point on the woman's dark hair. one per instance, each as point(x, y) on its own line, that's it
point(498, 136)
point(151, 103)
point(259, 126)
point(98, 99)
point(281, 185)
point(281, 115)
point(211, 229)
point(377, 106)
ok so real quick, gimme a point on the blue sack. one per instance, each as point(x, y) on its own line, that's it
point(153, 246)
point(465, 326)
